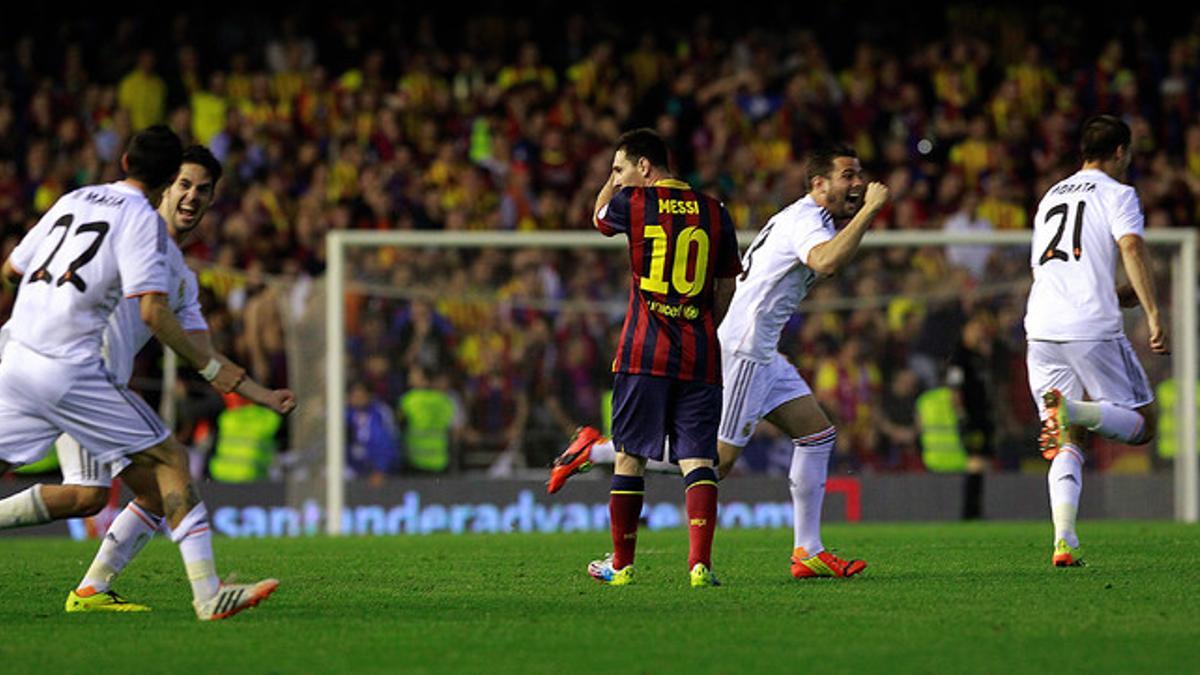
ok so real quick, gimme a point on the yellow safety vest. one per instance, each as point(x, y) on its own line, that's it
point(245, 444)
point(1168, 418)
point(941, 442)
point(428, 415)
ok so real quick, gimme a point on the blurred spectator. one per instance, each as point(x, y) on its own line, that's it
point(372, 448)
point(967, 220)
point(898, 423)
point(430, 420)
point(142, 93)
point(246, 441)
point(847, 387)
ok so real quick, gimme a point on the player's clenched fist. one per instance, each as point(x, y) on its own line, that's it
point(877, 196)
point(282, 401)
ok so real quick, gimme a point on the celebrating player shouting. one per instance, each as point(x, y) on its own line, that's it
point(95, 246)
point(86, 482)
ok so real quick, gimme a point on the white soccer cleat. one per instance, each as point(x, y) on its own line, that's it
point(233, 598)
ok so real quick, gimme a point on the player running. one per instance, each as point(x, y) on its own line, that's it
point(86, 482)
point(1077, 343)
point(797, 247)
point(95, 246)
point(667, 382)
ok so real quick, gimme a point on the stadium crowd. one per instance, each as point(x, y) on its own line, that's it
point(329, 121)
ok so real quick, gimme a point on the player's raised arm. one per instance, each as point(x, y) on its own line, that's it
point(829, 257)
point(602, 199)
point(1137, 268)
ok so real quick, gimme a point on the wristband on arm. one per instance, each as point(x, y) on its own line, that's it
point(210, 370)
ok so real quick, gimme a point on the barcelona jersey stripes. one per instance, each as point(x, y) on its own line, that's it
point(679, 241)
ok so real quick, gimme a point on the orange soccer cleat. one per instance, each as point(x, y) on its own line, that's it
point(1054, 426)
point(824, 564)
point(575, 459)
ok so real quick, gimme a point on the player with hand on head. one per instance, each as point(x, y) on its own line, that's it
point(667, 373)
point(112, 245)
point(1077, 343)
point(796, 247)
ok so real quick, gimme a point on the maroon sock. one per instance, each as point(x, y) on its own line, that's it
point(702, 515)
point(624, 510)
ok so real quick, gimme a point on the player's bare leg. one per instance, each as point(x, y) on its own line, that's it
point(813, 439)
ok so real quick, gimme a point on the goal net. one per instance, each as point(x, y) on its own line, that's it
point(511, 336)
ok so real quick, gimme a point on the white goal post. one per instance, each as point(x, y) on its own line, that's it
point(1183, 313)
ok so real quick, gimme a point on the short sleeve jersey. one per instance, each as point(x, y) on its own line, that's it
point(775, 278)
point(127, 334)
point(679, 241)
point(95, 246)
point(1075, 233)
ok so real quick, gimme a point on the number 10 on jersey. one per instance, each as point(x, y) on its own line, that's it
point(685, 283)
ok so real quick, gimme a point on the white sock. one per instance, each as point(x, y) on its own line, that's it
point(1108, 420)
point(128, 534)
point(1066, 482)
point(810, 466)
point(23, 509)
point(604, 452)
point(195, 545)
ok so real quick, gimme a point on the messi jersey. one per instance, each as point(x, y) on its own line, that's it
point(679, 242)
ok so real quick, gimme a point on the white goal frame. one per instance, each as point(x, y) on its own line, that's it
point(1183, 313)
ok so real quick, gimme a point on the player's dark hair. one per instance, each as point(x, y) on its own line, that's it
point(646, 143)
point(198, 154)
point(154, 155)
point(1101, 137)
point(820, 159)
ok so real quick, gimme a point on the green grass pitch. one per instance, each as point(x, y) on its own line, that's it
point(936, 598)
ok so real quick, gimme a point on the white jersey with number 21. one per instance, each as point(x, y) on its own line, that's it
point(1078, 224)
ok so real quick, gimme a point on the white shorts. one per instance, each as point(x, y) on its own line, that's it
point(41, 398)
point(753, 389)
point(80, 468)
point(1105, 370)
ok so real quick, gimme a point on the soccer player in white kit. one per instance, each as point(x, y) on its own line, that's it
point(1077, 342)
point(112, 244)
point(86, 482)
point(796, 247)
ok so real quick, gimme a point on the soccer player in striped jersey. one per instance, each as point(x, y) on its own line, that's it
point(667, 383)
point(113, 422)
point(1073, 323)
point(796, 247)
